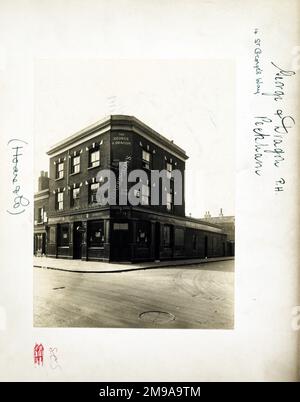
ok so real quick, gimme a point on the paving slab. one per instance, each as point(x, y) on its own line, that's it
point(105, 267)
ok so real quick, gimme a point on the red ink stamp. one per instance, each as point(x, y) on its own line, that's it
point(38, 354)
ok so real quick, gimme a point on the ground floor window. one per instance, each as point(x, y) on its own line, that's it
point(39, 243)
point(179, 237)
point(143, 233)
point(194, 241)
point(96, 233)
point(52, 234)
point(167, 236)
point(63, 235)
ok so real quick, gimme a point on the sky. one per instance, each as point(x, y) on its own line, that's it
point(191, 102)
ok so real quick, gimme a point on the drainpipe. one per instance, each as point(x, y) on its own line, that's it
point(68, 168)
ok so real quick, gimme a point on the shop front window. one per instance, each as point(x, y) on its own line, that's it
point(63, 235)
point(96, 234)
point(194, 242)
point(179, 237)
point(167, 236)
point(143, 233)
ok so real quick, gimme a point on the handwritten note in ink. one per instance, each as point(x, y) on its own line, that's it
point(270, 130)
point(19, 202)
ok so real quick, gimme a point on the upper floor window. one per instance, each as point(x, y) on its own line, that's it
point(169, 169)
point(75, 197)
point(60, 170)
point(75, 164)
point(169, 201)
point(93, 192)
point(41, 215)
point(94, 157)
point(146, 159)
point(145, 195)
point(60, 201)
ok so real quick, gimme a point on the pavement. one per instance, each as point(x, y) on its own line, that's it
point(108, 267)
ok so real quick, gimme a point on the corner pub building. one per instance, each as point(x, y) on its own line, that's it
point(69, 223)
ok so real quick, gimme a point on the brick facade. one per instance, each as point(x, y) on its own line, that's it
point(77, 228)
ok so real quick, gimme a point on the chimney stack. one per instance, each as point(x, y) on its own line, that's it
point(43, 181)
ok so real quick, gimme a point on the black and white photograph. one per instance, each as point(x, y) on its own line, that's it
point(149, 194)
point(134, 213)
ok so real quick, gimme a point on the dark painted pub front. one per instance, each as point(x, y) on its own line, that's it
point(70, 223)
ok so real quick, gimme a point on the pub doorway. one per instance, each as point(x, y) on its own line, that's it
point(157, 242)
point(205, 247)
point(77, 240)
point(120, 242)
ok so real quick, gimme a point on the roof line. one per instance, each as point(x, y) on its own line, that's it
point(107, 122)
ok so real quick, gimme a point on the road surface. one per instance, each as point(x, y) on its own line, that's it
point(194, 296)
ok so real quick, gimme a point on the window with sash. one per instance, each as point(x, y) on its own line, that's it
point(59, 170)
point(146, 159)
point(75, 164)
point(195, 242)
point(93, 192)
point(169, 169)
point(60, 200)
point(169, 201)
point(145, 195)
point(41, 215)
point(75, 197)
point(94, 157)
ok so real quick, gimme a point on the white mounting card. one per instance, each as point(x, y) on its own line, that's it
point(221, 80)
